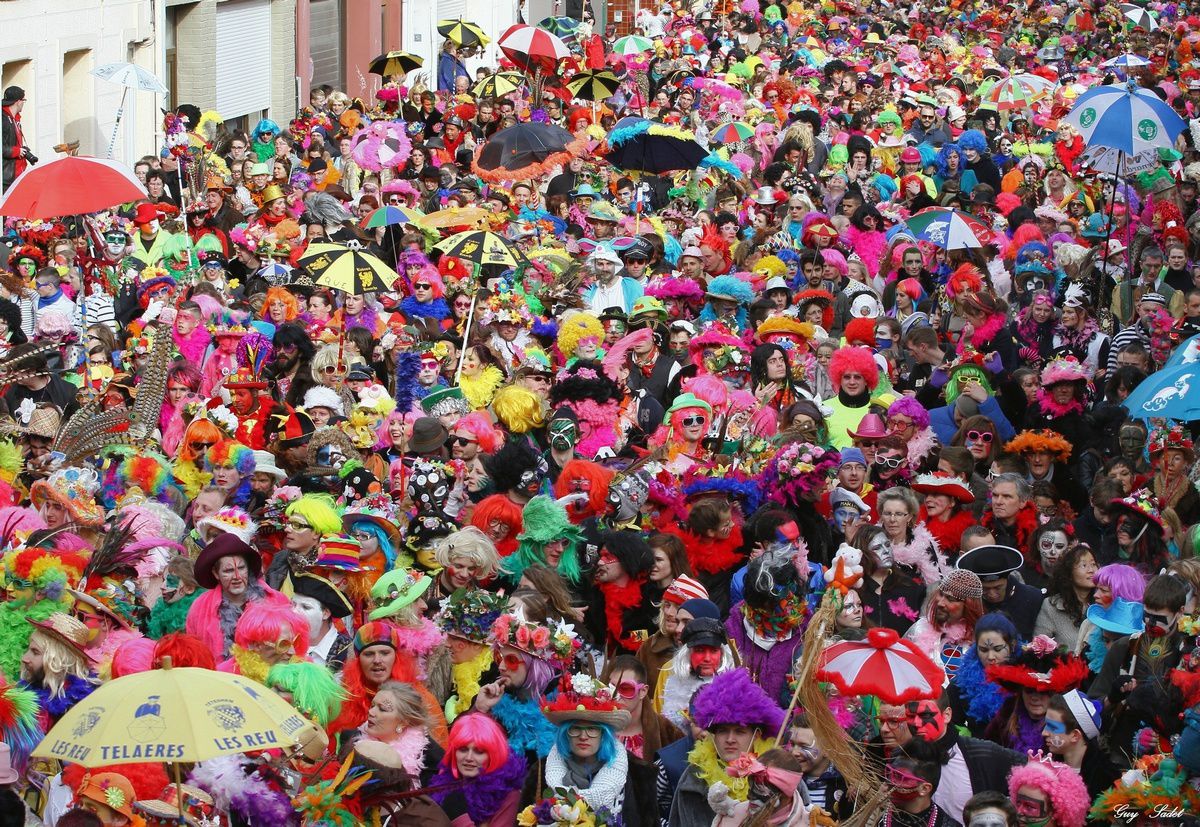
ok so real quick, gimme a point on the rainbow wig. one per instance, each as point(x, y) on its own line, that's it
point(518, 409)
point(914, 410)
point(485, 734)
point(292, 307)
point(320, 511)
point(478, 425)
point(313, 688)
point(577, 328)
point(265, 622)
point(1061, 784)
point(857, 360)
point(1125, 582)
point(229, 453)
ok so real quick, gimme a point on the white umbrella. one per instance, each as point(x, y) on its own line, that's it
point(129, 76)
point(1109, 161)
point(1139, 16)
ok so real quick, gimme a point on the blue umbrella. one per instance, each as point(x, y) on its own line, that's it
point(1187, 351)
point(1126, 118)
point(1127, 60)
point(1170, 393)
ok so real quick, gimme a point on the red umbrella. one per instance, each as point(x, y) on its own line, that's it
point(883, 665)
point(71, 186)
point(532, 48)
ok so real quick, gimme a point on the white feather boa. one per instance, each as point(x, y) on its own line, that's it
point(1000, 277)
point(919, 447)
point(916, 554)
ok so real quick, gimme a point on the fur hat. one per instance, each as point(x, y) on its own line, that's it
point(320, 396)
point(733, 698)
point(1043, 441)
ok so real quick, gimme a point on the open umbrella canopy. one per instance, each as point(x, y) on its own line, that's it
point(1108, 161)
point(343, 268)
point(1168, 393)
point(531, 48)
point(894, 670)
point(498, 85)
point(1138, 17)
point(454, 217)
point(462, 33)
point(131, 76)
point(948, 229)
point(71, 186)
point(1125, 117)
point(647, 146)
point(1019, 91)
point(563, 27)
point(525, 150)
point(729, 133)
point(479, 247)
point(395, 63)
point(391, 215)
point(633, 45)
point(1125, 61)
point(174, 716)
point(594, 84)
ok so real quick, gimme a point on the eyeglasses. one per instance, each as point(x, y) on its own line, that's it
point(892, 721)
point(512, 662)
point(298, 525)
point(692, 421)
point(629, 689)
point(579, 731)
point(889, 462)
point(985, 437)
point(899, 424)
point(460, 441)
point(362, 535)
point(281, 646)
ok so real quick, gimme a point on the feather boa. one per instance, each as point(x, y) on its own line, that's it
point(1050, 408)
point(171, 617)
point(408, 390)
point(984, 334)
point(480, 389)
point(15, 631)
point(983, 697)
point(420, 641)
point(916, 555)
point(920, 446)
point(102, 655)
point(237, 788)
point(1095, 650)
point(712, 770)
point(192, 346)
point(527, 728)
point(602, 418)
point(466, 682)
point(712, 555)
point(409, 746)
point(929, 639)
point(618, 600)
point(486, 793)
point(607, 789)
point(74, 690)
point(868, 244)
point(436, 309)
point(1075, 338)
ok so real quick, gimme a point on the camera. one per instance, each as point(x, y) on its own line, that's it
point(29, 156)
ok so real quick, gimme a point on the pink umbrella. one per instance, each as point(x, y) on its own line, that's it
point(883, 665)
point(71, 186)
point(532, 48)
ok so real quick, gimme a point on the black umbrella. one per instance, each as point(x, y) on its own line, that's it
point(524, 151)
point(640, 145)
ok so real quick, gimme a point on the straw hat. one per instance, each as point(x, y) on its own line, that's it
point(66, 630)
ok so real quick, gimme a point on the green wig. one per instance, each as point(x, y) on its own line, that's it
point(313, 688)
point(320, 511)
point(544, 521)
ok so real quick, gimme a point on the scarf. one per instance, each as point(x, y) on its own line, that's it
point(527, 728)
point(777, 622)
point(1077, 338)
point(1052, 409)
point(484, 794)
point(617, 601)
point(606, 788)
point(46, 301)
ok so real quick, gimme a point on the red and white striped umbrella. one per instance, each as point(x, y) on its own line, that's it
point(532, 48)
point(883, 665)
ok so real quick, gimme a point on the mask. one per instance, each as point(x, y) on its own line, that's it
point(114, 246)
point(1052, 546)
point(531, 479)
point(927, 720)
point(563, 435)
point(844, 514)
point(311, 610)
point(330, 456)
point(881, 547)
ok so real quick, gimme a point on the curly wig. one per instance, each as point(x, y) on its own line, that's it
point(1061, 784)
point(914, 410)
point(1044, 441)
point(229, 453)
point(292, 307)
point(585, 380)
point(734, 698)
point(973, 139)
point(506, 465)
point(472, 544)
point(577, 328)
point(856, 359)
point(598, 478)
point(496, 507)
point(518, 409)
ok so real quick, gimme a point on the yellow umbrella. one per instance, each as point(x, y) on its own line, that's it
point(352, 271)
point(174, 716)
point(480, 247)
point(454, 217)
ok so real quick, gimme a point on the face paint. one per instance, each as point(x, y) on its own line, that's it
point(881, 547)
point(1032, 812)
point(926, 720)
point(1052, 546)
point(1157, 625)
point(905, 785)
point(311, 610)
point(844, 514)
point(705, 660)
point(563, 435)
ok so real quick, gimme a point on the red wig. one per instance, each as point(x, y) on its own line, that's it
point(359, 695)
point(200, 431)
point(291, 306)
point(598, 479)
point(857, 360)
point(860, 331)
point(183, 650)
point(499, 507)
point(485, 734)
point(148, 780)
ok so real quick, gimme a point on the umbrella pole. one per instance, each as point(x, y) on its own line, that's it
point(1108, 230)
point(462, 354)
point(112, 142)
point(178, 792)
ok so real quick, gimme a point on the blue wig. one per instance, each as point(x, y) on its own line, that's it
point(943, 159)
point(929, 154)
point(609, 746)
point(973, 139)
point(376, 531)
point(737, 289)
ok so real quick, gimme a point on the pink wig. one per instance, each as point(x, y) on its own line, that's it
point(618, 354)
point(185, 373)
point(914, 410)
point(133, 656)
point(267, 622)
point(836, 259)
point(899, 251)
point(383, 438)
point(1022, 236)
point(485, 734)
point(1061, 784)
point(429, 274)
point(857, 360)
point(1125, 582)
point(479, 426)
point(709, 388)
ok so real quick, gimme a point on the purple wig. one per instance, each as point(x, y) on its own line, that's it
point(914, 410)
point(1125, 582)
point(733, 698)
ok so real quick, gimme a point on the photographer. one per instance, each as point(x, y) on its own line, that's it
point(16, 155)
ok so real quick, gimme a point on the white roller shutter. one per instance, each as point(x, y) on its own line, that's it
point(243, 57)
point(325, 43)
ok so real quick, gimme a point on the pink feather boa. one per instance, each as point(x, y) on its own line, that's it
point(409, 746)
point(600, 420)
point(420, 640)
point(916, 554)
point(920, 445)
point(1049, 407)
point(984, 334)
point(870, 246)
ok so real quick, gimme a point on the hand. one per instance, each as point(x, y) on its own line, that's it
point(974, 390)
point(766, 392)
point(153, 310)
point(490, 695)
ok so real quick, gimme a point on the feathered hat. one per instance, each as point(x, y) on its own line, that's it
point(1044, 441)
point(1041, 665)
point(1063, 369)
point(733, 698)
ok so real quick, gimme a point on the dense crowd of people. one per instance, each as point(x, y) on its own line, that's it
point(557, 523)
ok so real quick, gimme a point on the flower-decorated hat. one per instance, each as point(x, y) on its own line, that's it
point(230, 519)
point(556, 646)
point(1141, 503)
point(1041, 665)
point(111, 789)
point(470, 614)
point(584, 698)
point(800, 468)
point(1173, 439)
point(1063, 369)
point(396, 590)
point(75, 489)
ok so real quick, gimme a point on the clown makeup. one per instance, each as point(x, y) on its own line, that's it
point(587, 347)
point(705, 660)
point(1033, 808)
point(845, 514)
point(1052, 545)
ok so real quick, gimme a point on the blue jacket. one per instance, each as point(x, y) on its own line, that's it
point(450, 67)
point(942, 421)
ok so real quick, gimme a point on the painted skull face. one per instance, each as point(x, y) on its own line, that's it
point(1052, 546)
point(531, 478)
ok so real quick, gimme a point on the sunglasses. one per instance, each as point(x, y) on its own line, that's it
point(460, 441)
point(298, 525)
point(422, 286)
point(889, 462)
point(512, 662)
point(201, 446)
point(899, 424)
point(692, 421)
point(985, 437)
point(329, 370)
point(866, 443)
point(629, 689)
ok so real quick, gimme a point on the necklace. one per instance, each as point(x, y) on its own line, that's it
point(933, 814)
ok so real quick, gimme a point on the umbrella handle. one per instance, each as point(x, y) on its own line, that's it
point(462, 355)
